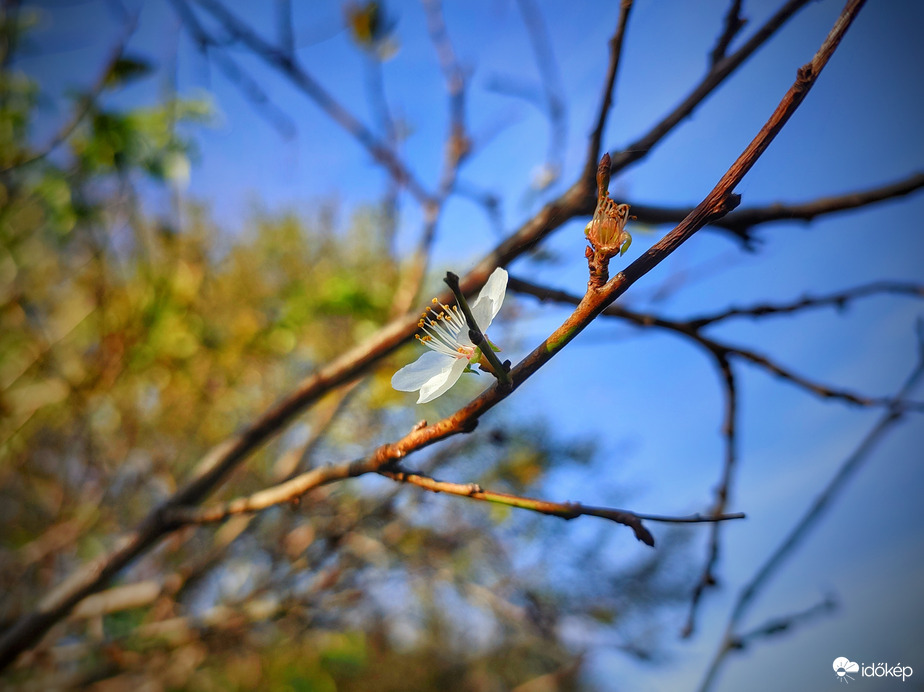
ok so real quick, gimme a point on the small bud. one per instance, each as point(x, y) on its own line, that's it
point(603, 176)
point(607, 229)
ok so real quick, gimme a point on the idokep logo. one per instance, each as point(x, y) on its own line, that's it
point(844, 666)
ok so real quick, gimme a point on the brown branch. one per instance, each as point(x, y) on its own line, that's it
point(716, 348)
point(292, 490)
point(741, 222)
point(839, 300)
point(729, 432)
point(288, 491)
point(812, 517)
point(29, 629)
point(744, 219)
point(734, 23)
point(606, 101)
point(716, 75)
point(564, 510)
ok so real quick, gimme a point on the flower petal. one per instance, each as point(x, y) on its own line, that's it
point(489, 301)
point(412, 377)
point(454, 367)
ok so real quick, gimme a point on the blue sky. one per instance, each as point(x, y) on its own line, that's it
point(859, 127)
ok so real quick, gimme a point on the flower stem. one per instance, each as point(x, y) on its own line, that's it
point(500, 370)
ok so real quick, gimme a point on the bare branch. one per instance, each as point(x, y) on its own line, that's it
point(839, 300)
point(729, 432)
point(786, 623)
point(288, 491)
point(288, 66)
point(811, 519)
point(744, 219)
point(457, 148)
point(555, 107)
point(564, 510)
point(596, 135)
point(247, 84)
point(734, 23)
point(719, 349)
point(640, 148)
point(741, 222)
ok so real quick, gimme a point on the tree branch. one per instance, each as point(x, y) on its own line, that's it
point(740, 223)
point(719, 349)
point(606, 101)
point(716, 75)
point(812, 517)
point(287, 65)
point(734, 23)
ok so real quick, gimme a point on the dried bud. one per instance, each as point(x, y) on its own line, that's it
point(607, 229)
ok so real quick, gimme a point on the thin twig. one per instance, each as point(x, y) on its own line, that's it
point(606, 101)
point(719, 72)
point(741, 222)
point(786, 623)
point(457, 148)
point(249, 87)
point(288, 66)
point(555, 107)
point(723, 490)
point(812, 517)
point(564, 510)
point(714, 346)
point(291, 491)
point(839, 300)
point(733, 23)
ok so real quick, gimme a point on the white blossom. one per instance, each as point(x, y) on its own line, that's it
point(445, 332)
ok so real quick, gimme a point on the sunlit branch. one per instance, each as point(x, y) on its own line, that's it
point(812, 517)
point(564, 510)
point(289, 491)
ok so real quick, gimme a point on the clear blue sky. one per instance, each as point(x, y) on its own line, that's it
point(653, 395)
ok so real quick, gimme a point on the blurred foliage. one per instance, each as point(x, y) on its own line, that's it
point(131, 345)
